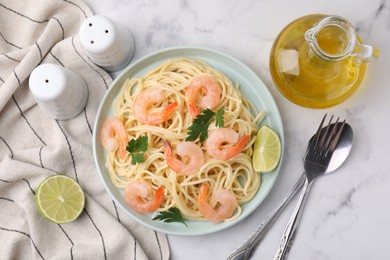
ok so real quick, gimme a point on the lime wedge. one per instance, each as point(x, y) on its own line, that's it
point(267, 150)
point(60, 199)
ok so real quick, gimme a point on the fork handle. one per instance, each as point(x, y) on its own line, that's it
point(244, 251)
point(290, 231)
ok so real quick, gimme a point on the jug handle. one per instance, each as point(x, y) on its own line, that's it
point(365, 53)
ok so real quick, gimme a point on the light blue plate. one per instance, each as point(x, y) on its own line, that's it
point(251, 86)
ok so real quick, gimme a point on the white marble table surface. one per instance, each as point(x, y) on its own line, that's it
point(347, 214)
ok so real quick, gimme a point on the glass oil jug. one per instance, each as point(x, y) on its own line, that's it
point(318, 61)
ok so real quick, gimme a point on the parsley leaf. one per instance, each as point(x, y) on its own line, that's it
point(172, 215)
point(219, 118)
point(137, 147)
point(137, 158)
point(200, 125)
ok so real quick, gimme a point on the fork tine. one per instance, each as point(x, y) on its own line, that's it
point(321, 144)
point(335, 140)
point(319, 132)
point(326, 146)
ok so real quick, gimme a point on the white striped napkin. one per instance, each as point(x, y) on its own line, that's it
point(33, 146)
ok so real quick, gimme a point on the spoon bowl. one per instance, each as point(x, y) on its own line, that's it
point(343, 149)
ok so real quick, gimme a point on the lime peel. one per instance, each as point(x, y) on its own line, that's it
point(267, 150)
point(60, 199)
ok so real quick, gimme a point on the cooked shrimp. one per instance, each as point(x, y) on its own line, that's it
point(113, 130)
point(222, 136)
point(212, 96)
point(226, 204)
point(138, 195)
point(185, 149)
point(145, 100)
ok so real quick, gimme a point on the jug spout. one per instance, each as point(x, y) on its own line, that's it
point(333, 38)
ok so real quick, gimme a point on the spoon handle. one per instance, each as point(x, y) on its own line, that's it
point(244, 251)
point(289, 233)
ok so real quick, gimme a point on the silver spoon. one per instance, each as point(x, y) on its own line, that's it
point(245, 250)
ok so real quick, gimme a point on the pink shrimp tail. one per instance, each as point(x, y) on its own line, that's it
point(168, 110)
point(236, 149)
point(242, 142)
point(158, 198)
point(167, 149)
point(172, 163)
point(194, 111)
point(190, 97)
point(203, 192)
point(122, 149)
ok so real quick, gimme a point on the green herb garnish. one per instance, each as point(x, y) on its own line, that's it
point(172, 215)
point(137, 147)
point(219, 118)
point(200, 125)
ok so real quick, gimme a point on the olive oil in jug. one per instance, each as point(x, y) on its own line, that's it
point(318, 61)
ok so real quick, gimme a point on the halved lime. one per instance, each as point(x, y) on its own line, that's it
point(60, 199)
point(267, 150)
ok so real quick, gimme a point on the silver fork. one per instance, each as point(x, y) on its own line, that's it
point(316, 162)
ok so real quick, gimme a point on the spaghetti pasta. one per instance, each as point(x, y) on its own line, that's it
point(181, 191)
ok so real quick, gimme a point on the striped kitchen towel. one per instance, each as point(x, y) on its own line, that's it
point(34, 146)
